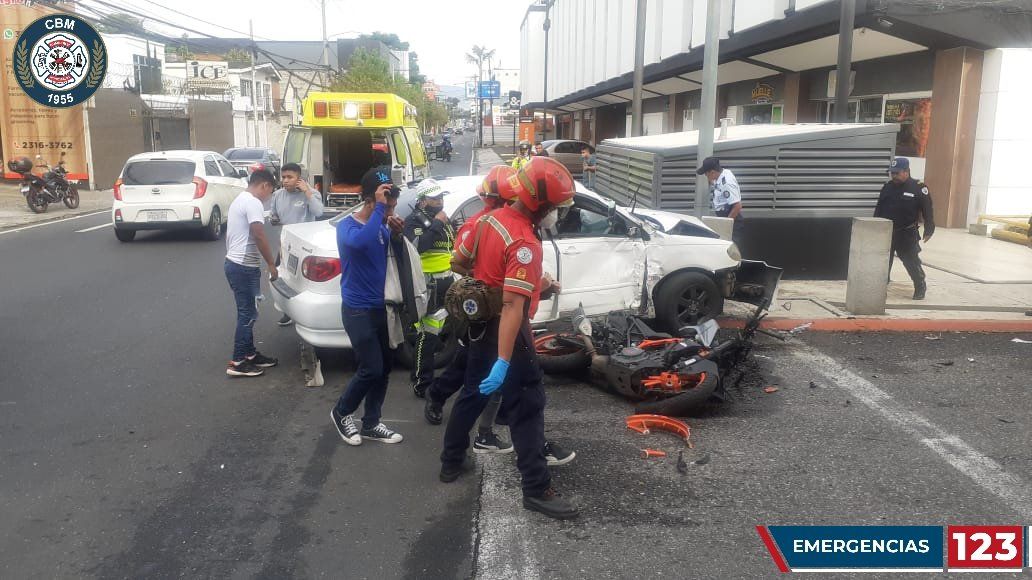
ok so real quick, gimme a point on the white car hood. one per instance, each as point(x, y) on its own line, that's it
point(669, 219)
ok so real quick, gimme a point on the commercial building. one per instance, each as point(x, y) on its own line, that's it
point(952, 73)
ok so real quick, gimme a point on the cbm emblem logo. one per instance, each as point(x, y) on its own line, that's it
point(60, 60)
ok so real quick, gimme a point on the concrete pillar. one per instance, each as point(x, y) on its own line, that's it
point(956, 86)
point(790, 108)
point(867, 280)
point(721, 225)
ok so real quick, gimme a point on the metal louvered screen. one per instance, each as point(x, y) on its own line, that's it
point(677, 184)
point(622, 171)
point(816, 180)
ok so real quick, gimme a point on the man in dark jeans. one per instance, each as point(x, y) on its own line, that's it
point(362, 240)
point(246, 244)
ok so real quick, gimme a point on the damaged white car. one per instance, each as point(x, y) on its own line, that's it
point(606, 258)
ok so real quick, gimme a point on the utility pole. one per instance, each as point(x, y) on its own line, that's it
point(490, 110)
point(480, 102)
point(709, 99)
point(254, 84)
point(639, 69)
point(845, 56)
point(544, 90)
point(325, 44)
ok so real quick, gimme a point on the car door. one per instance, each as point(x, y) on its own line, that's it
point(217, 187)
point(233, 183)
point(601, 258)
point(401, 157)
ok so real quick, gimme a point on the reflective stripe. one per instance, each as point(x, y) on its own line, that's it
point(500, 229)
point(526, 183)
point(435, 261)
point(464, 252)
point(521, 284)
point(432, 322)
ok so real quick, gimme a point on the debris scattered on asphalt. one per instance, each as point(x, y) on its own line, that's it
point(681, 465)
point(1021, 341)
point(702, 460)
point(761, 356)
point(945, 363)
point(874, 376)
point(1002, 420)
point(223, 466)
point(934, 337)
point(800, 328)
point(647, 453)
point(813, 385)
point(644, 423)
point(770, 390)
point(971, 360)
point(848, 402)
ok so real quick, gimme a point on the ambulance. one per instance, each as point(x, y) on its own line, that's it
point(342, 135)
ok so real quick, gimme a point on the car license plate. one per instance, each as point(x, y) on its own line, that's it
point(292, 264)
point(157, 216)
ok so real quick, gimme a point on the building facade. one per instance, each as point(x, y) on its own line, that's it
point(947, 72)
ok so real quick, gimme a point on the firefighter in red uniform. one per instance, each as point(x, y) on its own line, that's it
point(501, 352)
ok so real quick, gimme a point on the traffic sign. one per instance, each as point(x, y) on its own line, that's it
point(490, 89)
point(514, 100)
point(471, 89)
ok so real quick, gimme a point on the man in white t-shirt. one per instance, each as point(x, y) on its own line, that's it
point(246, 245)
point(727, 195)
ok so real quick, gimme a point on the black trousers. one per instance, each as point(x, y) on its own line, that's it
point(428, 343)
point(523, 403)
point(905, 245)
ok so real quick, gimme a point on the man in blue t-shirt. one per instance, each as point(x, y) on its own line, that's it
point(362, 240)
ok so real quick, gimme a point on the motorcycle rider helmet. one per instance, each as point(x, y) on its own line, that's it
point(541, 180)
point(496, 183)
point(20, 164)
point(524, 146)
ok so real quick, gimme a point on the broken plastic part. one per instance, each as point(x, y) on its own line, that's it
point(672, 382)
point(647, 453)
point(645, 423)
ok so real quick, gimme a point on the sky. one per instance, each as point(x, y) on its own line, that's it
point(441, 32)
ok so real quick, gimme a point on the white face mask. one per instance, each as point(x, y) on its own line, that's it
point(551, 218)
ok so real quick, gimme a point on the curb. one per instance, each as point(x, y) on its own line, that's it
point(888, 325)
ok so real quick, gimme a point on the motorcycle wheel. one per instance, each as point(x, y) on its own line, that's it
point(683, 404)
point(71, 199)
point(557, 358)
point(36, 201)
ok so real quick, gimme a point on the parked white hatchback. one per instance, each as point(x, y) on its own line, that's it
point(169, 190)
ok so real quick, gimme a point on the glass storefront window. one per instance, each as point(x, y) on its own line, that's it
point(914, 117)
point(757, 114)
point(870, 110)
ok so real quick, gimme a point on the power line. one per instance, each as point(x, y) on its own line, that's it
point(192, 17)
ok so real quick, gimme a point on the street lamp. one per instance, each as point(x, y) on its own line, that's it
point(544, 90)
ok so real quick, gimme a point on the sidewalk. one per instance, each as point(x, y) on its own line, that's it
point(15, 213)
point(974, 284)
point(484, 159)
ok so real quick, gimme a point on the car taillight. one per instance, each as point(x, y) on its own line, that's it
point(255, 167)
point(380, 110)
point(320, 269)
point(320, 109)
point(118, 189)
point(118, 215)
point(200, 187)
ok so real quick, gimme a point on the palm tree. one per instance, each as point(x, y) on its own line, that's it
point(477, 56)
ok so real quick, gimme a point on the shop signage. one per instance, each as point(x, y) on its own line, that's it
point(762, 94)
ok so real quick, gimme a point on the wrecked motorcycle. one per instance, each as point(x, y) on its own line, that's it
point(665, 374)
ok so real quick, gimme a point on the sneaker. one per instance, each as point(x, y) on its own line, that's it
point(285, 321)
point(556, 455)
point(450, 473)
point(433, 411)
point(919, 291)
point(244, 368)
point(260, 360)
point(382, 434)
point(419, 390)
point(345, 425)
point(491, 443)
point(551, 504)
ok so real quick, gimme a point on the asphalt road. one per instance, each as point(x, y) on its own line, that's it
point(129, 454)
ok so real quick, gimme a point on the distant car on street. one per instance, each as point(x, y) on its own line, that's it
point(458, 130)
point(251, 158)
point(170, 190)
point(567, 152)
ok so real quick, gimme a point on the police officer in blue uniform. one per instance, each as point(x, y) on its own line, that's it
point(903, 200)
point(726, 195)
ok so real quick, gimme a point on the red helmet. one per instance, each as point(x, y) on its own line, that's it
point(496, 183)
point(541, 180)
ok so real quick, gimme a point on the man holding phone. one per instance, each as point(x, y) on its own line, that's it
point(294, 203)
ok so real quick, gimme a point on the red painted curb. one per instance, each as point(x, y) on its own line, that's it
point(888, 325)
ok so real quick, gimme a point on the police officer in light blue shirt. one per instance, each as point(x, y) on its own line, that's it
point(726, 195)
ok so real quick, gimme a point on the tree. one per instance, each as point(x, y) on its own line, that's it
point(121, 23)
point(238, 57)
point(390, 39)
point(477, 56)
point(413, 65)
point(367, 73)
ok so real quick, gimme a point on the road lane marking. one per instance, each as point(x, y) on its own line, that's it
point(74, 217)
point(504, 550)
point(988, 474)
point(94, 228)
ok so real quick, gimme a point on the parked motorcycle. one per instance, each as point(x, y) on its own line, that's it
point(663, 373)
point(53, 187)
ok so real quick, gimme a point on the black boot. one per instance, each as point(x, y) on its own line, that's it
point(919, 290)
point(433, 411)
point(551, 504)
point(450, 473)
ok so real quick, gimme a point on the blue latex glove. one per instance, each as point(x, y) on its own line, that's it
point(494, 380)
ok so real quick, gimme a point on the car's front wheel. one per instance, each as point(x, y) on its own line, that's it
point(686, 299)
